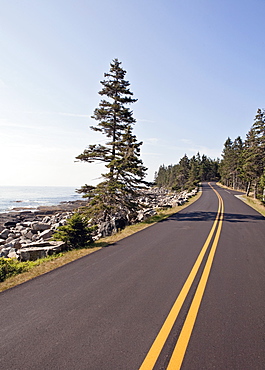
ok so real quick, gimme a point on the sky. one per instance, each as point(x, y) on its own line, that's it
point(197, 68)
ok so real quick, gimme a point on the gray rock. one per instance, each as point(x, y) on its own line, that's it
point(46, 219)
point(25, 231)
point(140, 216)
point(4, 252)
point(36, 244)
point(24, 241)
point(63, 222)
point(35, 237)
point(56, 247)
point(32, 254)
point(56, 225)
point(14, 243)
point(40, 250)
point(12, 254)
point(18, 228)
point(10, 224)
point(118, 222)
point(4, 234)
point(46, 234)
point(105, 228)
point(26, 224)
point(148, 213)
point(40, 226)
point(28, 235)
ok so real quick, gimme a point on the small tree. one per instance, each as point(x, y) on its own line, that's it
point(76, 233)
point(125, 170)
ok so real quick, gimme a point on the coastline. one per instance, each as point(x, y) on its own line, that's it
point(24, 213)
point(20, 198)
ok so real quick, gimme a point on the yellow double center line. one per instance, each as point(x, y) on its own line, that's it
point(184, 337)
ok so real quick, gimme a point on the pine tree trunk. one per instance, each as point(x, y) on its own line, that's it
point(113, 146)
point(255, 190)
point(248, 188)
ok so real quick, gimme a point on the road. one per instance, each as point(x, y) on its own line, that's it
point(185, 293)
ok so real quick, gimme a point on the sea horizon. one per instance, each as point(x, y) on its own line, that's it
point(31, 197)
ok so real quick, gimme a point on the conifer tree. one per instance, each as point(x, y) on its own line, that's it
point(232, 166)
point(225, 167)
point(187, 173)
point(183, 172)
point(204, 168)
point(121, 152)
point(194, 173)
point(161, 176)
point(238, 176)
point(254, 153)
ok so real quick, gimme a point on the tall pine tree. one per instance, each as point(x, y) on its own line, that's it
point(254, 153)
point(231, 167)
point(121, 152)
point(226, 163)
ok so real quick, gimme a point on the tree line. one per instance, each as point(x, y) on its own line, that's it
point(188, 172)
point(242, 166)
point(243, 162)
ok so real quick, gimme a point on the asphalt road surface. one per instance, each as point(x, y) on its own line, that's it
point(188, 292)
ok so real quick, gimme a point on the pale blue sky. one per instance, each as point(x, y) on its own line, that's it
point(196, 66)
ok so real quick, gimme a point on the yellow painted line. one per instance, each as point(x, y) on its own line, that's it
point(158, 344)
point(184, 337)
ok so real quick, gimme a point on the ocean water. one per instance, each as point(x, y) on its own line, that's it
point(34, 196)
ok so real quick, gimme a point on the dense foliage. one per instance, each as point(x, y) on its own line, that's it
point(76, 233)
point(120, 153)
point(243, 163)
point(187, 173)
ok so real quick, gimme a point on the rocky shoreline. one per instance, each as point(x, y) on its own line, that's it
point(26, 234)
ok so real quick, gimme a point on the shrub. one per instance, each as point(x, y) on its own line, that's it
point(76, 233)
point(10, 267)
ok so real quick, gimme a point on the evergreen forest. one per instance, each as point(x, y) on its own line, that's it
point(242, 166)
point(188, 172)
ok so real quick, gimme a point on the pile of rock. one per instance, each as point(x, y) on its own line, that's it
point(30, 230)
point(26, 235)
point(150, 201)
point(156, 198)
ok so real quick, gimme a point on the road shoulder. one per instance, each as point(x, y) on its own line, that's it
point(253, 203)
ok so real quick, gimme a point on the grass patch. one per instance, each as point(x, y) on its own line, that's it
point(11, 267)
point(32, 269)
point(44, 265)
